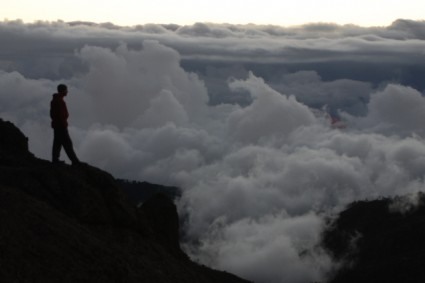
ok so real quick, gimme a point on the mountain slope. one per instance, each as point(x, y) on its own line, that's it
point(376, 243)
point(60, 223)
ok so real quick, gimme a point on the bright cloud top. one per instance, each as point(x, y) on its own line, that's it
point(258, 177)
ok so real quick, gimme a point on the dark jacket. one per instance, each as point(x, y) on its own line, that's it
point(58, 112)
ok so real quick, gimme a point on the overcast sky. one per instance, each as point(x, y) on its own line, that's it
point(239, 117)
point(277, 12)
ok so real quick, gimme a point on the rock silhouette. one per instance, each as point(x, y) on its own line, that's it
point(375, 244)
point(62, 223)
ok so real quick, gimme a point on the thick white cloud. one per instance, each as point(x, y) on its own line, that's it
point(133, 80)
point(271, 114)
point(264, 249)
point(257, 177)
point(349, 59)
point(396, 108)
point(21, 93)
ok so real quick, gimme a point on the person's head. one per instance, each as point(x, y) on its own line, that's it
point(62, 89)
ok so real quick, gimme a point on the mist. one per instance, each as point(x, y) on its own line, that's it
point(239, 117)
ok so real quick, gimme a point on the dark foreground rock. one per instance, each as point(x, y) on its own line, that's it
point(376, 244)
point(60, 223)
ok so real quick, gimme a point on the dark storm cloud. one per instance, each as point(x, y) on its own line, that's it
point(152, 103)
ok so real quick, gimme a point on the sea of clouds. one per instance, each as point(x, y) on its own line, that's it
point(239, 117)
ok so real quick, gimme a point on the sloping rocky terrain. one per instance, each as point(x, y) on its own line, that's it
point(376, 243)
point(62, 223)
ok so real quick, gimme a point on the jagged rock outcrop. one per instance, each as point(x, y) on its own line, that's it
point(13, 144)
point(62, 223)
point(375, 243)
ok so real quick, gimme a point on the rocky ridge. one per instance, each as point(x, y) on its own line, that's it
point(374, 242)
point(62, 223)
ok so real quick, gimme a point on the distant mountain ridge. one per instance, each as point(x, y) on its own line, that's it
point(62, 223)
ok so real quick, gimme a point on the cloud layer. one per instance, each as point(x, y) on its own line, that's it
point(237, 116)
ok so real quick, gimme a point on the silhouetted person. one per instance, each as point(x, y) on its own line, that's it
point(59, 115)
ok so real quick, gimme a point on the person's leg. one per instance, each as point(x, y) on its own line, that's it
point(69, 149)
point(57, 145)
